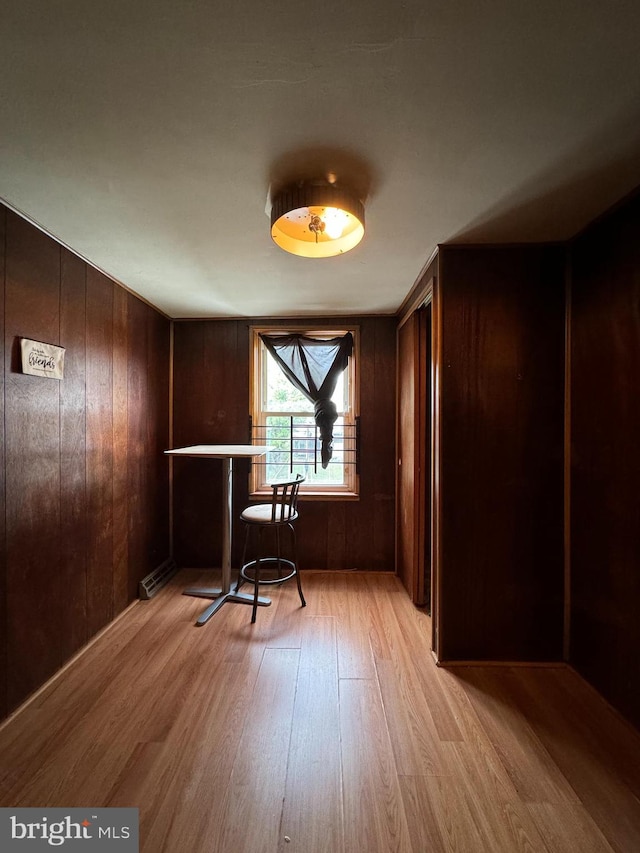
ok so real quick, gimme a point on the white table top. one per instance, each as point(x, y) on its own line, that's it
point(221, 451)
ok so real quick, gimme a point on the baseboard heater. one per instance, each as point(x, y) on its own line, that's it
point(156, 579)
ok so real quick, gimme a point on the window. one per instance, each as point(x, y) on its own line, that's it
point(282, 417)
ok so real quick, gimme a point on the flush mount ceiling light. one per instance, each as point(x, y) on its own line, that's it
point(317, 221)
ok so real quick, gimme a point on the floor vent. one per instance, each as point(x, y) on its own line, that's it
point(157, 579)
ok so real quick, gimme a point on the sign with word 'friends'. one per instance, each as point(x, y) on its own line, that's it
point(40, 359)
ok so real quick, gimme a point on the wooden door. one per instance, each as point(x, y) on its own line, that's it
point(414, 449)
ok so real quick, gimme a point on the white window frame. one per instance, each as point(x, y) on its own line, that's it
point(349, 489)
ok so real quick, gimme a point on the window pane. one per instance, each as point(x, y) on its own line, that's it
point(296, 438)
point(281, 396)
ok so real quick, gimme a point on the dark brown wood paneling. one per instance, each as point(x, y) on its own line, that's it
point(99, 450)
point(383, 444)
point(137, 392)
point(65, 493)
point(189, 504)
point(334, 547)
point(501, 455)
point(121, 594)
point(436, 444)
point(359, 544)
point(188, 365)
point(211, 405)
point(605, 457)
point(73, 464)
point(157, 492)
point(370, 523)
point(312, 530)
point(32, 434)
point(148, 438)
point(3, 539)
point(425, 443)
point(225, 408)
point(197, 483)
point(413, 488)
point(408, 480)
point(225, 401)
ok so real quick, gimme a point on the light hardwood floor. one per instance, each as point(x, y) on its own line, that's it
point(323, 729)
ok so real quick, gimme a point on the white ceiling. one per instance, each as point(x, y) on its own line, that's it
point(145, 135)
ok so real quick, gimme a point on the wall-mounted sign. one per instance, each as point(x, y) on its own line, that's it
point(40, 359)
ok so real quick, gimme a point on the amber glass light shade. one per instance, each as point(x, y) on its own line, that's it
point(317, 221)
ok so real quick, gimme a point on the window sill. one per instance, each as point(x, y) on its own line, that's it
point(265, 496)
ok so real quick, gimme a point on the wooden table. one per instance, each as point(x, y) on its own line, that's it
point(227, 453)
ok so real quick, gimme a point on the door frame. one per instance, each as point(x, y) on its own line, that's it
point(422, 313)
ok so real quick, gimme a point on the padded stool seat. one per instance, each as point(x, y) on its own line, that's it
point(263, 514)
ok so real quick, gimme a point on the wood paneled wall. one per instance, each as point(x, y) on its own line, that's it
point(500, 467)
point(211, 405)
point(408, 557)
point(605, 457)
point(83, 483)
point(3, 537)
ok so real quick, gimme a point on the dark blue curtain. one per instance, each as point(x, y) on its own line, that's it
point(313, 366)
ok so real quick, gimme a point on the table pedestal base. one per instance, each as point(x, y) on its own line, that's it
point(226, 453)
point(220, 598)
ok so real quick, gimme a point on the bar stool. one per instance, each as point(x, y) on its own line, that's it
point(280, 513)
